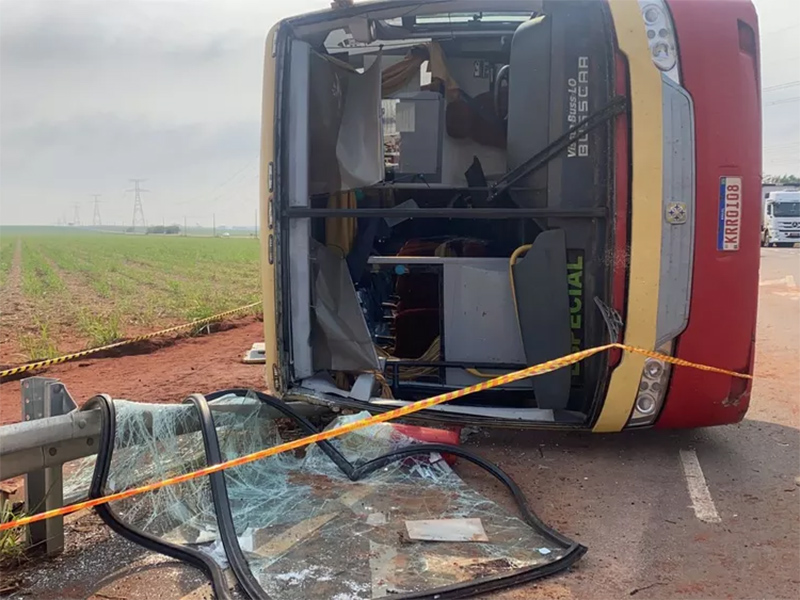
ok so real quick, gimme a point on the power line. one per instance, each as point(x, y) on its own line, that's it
point(787, 143)
point(782, 148)
point(213, 196)
point(781, 30)
point(781, 60)
point(784, 160)
point(781, 86)
point(96, 221)
point(138, 209)
point(784, 101)
point(76, 217)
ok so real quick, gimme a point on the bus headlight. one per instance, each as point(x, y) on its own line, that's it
point(661, 37)
point(652, 390)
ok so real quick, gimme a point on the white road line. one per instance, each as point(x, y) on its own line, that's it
point(770, 282)
point(702, 503)
point(787, 281)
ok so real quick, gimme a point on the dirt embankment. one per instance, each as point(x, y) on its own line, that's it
point(165, 370)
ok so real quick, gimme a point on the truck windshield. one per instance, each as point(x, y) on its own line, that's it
point(786, 209)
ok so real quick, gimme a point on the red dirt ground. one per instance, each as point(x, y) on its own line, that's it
point(166, 371)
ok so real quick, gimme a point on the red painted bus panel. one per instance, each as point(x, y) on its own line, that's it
point(718, 49)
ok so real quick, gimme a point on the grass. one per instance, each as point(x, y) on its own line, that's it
point(39, 279)
point(100, 287)
point(6, 257)
point(38, 345)
point(12, 541)
point(100, 330)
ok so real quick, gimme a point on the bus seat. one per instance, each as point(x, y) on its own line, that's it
point(529, 105)
point(542, 299)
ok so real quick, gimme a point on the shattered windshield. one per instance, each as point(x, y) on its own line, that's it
point(335, 522)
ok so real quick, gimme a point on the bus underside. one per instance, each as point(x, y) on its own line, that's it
point(439, 219)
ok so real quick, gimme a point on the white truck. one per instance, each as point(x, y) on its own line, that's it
point(780, 219)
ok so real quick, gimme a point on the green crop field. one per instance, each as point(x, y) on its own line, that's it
point(62, 290)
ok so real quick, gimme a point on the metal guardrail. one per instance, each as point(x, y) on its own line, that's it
point(55, 432)
point(46, 443)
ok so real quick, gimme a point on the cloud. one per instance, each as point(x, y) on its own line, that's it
point(95, 92)
point(108, 143)
point(59, 33)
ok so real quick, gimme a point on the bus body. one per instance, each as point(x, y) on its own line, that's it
point(780, 219)
point(456, 189)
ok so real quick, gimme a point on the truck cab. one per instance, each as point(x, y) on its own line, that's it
point(780, 222)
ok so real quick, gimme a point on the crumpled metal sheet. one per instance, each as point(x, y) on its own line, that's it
point(340, 340)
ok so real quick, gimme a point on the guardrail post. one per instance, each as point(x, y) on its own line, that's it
point(44, 397)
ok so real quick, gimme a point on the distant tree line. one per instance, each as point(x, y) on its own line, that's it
point(169, 229)
point(780, 179)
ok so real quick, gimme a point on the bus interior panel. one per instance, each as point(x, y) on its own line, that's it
point(403, 251)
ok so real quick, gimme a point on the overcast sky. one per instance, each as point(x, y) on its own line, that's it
point(95, 92)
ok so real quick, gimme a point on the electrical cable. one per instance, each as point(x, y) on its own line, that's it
point(781, 86)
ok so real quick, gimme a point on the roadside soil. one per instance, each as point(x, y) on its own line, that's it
point(165, 370)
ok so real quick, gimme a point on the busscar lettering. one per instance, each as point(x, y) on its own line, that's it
point(572, 112)
point(578, 106)
point(575, 287)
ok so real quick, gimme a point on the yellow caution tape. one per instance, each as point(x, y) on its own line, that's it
point(539, 369)
point(67, 357)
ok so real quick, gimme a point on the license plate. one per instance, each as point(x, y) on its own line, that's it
point(730, 213)
point(797, 235)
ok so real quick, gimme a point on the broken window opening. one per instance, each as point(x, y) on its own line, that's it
point(458, 104)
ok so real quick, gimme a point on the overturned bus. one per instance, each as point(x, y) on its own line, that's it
point(453, 190)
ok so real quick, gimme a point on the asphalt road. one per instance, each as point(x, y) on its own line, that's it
point(625, 496)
